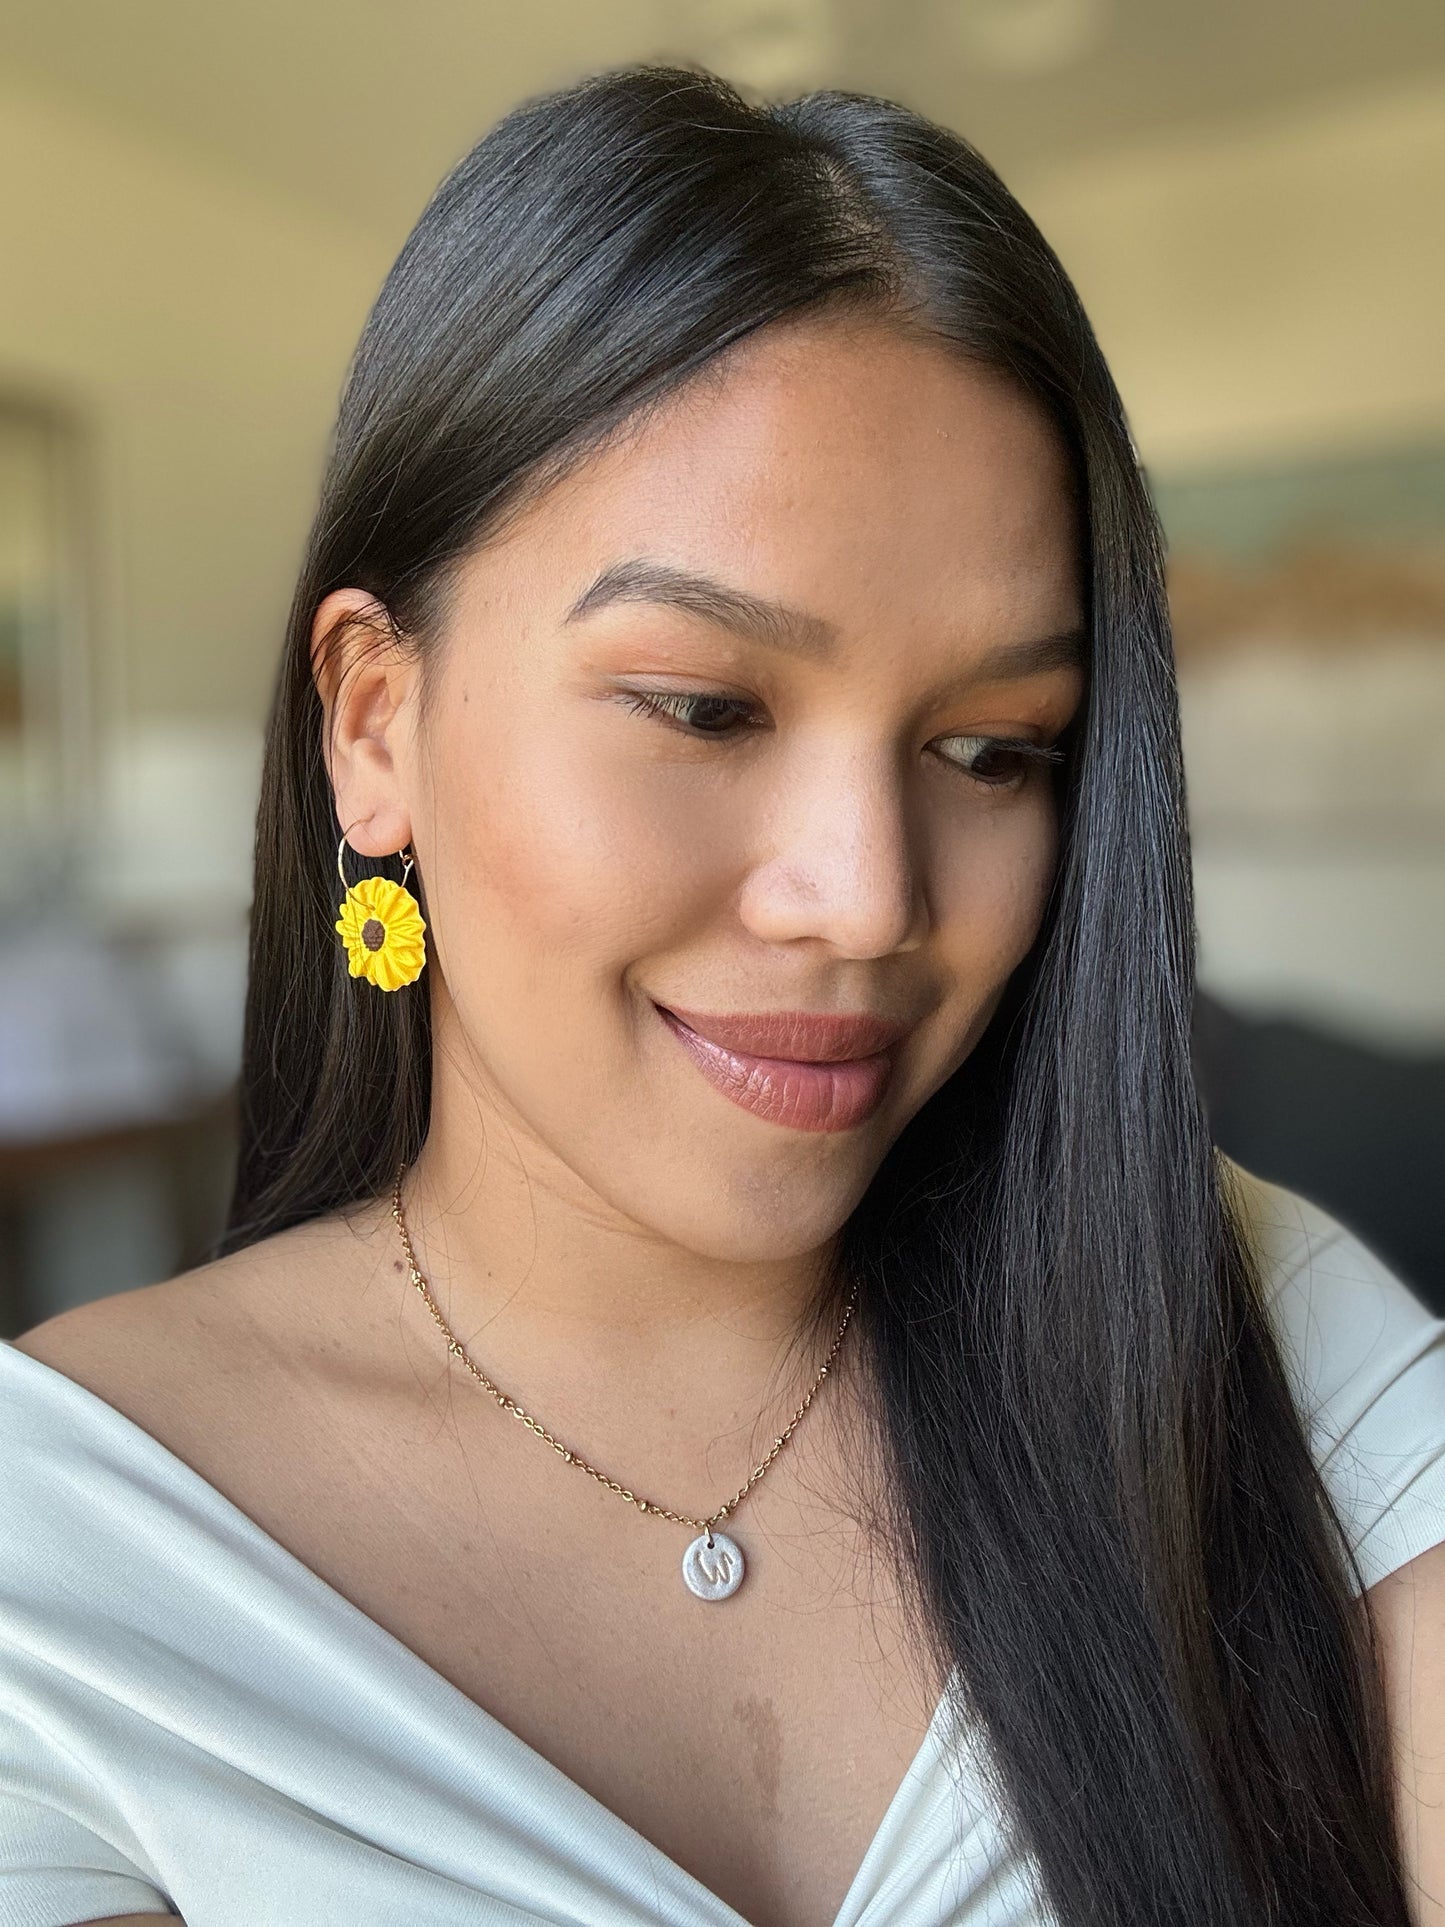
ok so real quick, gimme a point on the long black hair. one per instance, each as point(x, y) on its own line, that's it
point(1100, 1488)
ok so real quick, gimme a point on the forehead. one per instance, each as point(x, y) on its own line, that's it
point(838, 463)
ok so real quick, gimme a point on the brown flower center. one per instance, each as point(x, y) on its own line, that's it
point(373, 933)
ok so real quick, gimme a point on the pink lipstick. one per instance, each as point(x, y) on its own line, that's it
point(813, 1071)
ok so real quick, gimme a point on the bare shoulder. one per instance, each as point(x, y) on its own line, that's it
point(175, 1355)
point(131, 1334)
point(1408, 1609)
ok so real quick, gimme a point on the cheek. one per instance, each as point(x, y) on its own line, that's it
point(553, 856)
point(995, 879)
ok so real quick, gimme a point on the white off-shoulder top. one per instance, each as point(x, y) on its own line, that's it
point(192, 1721)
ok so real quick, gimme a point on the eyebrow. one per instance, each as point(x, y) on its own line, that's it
point(775, 625)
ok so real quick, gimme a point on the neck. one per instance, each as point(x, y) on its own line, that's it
point(629, 1348)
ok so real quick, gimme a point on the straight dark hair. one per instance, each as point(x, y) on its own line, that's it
point(1101, 1493)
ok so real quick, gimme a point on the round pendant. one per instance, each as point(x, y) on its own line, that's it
point(713, 1571)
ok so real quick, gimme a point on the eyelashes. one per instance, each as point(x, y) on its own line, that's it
point(669, 708)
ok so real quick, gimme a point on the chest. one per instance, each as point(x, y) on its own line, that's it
point(756, 1741)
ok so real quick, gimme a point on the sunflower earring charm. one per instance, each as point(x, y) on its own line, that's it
point(381, 927)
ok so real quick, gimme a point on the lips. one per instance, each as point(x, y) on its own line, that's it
point(799, 1036)
point(832, 1093)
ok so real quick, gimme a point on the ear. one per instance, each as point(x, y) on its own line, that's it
point(367, 682)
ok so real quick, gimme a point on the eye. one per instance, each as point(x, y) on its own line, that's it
point(1017, 755)
point(651, 702)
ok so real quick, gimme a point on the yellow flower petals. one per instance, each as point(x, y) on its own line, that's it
point(401, 953)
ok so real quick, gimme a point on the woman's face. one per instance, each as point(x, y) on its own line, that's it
point(810, 819)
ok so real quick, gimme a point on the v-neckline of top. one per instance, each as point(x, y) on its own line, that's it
point(713, 1909)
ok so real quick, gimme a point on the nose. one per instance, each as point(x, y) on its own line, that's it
point(840, 863)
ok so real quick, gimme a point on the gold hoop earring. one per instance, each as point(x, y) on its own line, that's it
point(381, 927)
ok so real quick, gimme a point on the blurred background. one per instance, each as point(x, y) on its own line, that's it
point(197, 205)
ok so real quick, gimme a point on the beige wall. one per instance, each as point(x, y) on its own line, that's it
point(198, 329)
point(1273, 287)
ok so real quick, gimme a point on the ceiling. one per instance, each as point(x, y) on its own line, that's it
point(356, 107)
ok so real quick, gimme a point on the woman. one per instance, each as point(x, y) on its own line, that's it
point(734, 614)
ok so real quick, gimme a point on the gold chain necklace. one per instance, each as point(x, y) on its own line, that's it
point(713, 1564)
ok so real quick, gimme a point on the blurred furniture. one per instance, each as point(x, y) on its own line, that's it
point(87, 1214)
point(1354, 1128)
point(117, 1111)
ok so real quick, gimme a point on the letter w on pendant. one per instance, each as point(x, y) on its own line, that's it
point(716, 1564)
